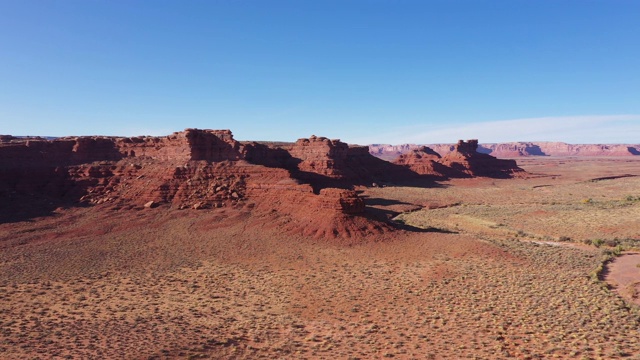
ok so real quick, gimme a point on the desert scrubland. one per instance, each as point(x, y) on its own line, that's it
point(478, 268)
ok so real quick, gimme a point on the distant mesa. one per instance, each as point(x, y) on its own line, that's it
point(462, 161)
point(466, 159)
point(514, 149)
point(306, 186)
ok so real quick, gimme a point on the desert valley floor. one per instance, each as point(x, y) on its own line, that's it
point(485, 269)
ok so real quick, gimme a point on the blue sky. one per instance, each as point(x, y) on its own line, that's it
point(377, 71)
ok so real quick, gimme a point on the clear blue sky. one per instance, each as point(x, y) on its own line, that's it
point(364, 71)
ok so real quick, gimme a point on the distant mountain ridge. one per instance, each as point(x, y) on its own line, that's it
point(515, 149)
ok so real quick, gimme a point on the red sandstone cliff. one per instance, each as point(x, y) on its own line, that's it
point(195, 169)
point(321, 156)
point(466, 159)
point(463, 161)
point(305, 186)
point(425, 161)
point(332, 163)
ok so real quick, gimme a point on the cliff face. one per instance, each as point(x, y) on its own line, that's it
point(309, 182)
point(195, 169)
point(208, 168)
point(191, 144)
point(321, 156)
point(466, 159)
point(425, 160)
point(324, 162)
point(463, 161)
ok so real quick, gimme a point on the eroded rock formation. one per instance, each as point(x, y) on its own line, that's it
point(463, 161)
point(321, 156)
point(424, 160)
point(467, 160)
point(309, 183)
point(195, 169)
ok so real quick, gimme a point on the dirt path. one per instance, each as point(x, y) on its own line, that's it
point(623, 274)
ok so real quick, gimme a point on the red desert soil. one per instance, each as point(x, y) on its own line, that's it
point(624, 274)
point(243, 279)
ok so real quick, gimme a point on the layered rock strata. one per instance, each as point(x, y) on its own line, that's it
point(467, 160)
point(463, 160)
point(309, 182)
point(195, 169)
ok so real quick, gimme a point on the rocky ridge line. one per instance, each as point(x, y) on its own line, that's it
point(515, 149)
point(308, 185)
point(463, 160)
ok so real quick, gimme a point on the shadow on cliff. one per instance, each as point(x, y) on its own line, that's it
point(375, 209)
point(411, 228)
point(15, 207)
point(387, 216)
point(34, 176)
point(358, 168)
point(319, 182)
point(30, 191)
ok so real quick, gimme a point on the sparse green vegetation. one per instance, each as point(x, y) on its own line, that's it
point(631, 198)
point(622, 244)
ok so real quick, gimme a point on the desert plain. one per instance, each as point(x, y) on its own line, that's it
point(474, 268)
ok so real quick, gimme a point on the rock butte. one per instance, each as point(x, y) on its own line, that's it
point(462, 161)
point(311, 181)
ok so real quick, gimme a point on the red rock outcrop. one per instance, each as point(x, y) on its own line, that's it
point(304, 187)
point(332, 163)
point(425, 161)
point(321, 156)
point(191, 144)
point(465, 159)
point(195, 169)
point(346, 201)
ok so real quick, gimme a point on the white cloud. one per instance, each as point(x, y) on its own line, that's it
point(571, 129)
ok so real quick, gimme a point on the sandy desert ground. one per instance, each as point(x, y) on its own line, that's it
point(487, 269)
